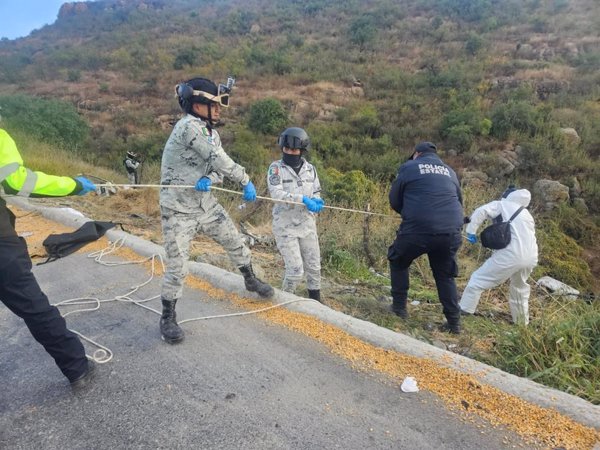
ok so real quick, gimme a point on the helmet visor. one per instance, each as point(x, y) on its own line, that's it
point(293, 142)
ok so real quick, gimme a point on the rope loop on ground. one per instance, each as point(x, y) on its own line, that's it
point(103, 354)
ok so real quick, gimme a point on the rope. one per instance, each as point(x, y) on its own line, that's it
point(103, 354)
point(182, 186)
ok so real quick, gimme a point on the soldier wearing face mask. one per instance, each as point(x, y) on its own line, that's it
point(294, 179)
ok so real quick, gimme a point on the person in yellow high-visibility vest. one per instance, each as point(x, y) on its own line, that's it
point(19, 290)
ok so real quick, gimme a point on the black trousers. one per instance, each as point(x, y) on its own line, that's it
point(20, 292)
point(441, 250)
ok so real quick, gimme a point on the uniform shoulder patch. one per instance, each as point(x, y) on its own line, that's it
point(274, 169)
point(274, 179)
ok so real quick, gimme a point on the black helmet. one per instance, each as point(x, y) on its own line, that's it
point(294, 138)
point(201, 90)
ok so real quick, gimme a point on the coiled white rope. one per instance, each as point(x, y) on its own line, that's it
point(182, 186)
point(104, 354)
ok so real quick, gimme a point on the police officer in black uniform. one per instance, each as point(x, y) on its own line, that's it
point(427, 195)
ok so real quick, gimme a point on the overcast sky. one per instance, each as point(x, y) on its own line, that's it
point(18, 18)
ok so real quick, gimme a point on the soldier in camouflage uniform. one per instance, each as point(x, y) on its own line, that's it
point(193, 155)
point(295, 179)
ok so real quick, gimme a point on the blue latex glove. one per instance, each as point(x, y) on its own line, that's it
point(319, 202)
point(471, 238)
point(203, 184)
point(249, 192)
point(86, 186)
point(311, 205)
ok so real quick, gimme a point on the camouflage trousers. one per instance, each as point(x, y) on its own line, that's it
point(300, 255)
point(178, 231)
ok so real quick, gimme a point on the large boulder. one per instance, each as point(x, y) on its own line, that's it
point(550, 193)
point(474, 178)
point(571, 135)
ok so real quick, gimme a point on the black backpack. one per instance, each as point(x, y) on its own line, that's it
point(497, 235)
point(59, 245)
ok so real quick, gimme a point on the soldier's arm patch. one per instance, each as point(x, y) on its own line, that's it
point(274, 179)
point(273, 170)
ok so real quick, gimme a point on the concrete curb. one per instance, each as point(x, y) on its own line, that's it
point(569, 405)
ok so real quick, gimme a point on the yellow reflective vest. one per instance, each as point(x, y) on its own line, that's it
point(18, 180)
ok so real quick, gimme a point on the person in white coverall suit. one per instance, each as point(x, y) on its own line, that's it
point(292, 178)
point(515, 262)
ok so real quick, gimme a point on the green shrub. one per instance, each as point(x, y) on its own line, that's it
point(267, 116)
point(351, 188)
point(362, 31)
point(470, 10)
point(186, 57)
point(561, 349)
point(560, 256)
point(52, 121)
point(248, 150)
point(73, 75)
point(473, 44)
point(517, 116)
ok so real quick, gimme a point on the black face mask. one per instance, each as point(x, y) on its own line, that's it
point(294, 161)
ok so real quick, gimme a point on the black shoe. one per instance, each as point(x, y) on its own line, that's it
point(84, 380)
point(451, 328)
point(170, 332)
point(400, 312)
point(254, 284)
point(315, 294)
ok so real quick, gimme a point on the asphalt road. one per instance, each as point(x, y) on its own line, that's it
point(234, 383)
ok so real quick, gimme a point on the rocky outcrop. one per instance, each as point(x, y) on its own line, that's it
point(474, 178)
point(550, 193)
point(72, 9)
point(570, 135)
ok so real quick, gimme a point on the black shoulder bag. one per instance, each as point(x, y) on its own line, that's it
point(497, 235)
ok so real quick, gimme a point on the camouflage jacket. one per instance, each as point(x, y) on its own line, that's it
point(192, 152)
point(285, 184)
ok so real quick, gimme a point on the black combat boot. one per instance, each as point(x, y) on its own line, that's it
point(452, 326)
point(81, 383)
point(315, 294)
point(399, 308)
point(254, 284)
point(170, 331)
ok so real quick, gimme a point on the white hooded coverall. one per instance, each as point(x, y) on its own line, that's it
point(515, 262)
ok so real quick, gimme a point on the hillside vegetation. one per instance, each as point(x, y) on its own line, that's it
point(509, 90)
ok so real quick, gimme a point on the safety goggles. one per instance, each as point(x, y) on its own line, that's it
point(222, 98)
point(293, 142)
point(185, 92)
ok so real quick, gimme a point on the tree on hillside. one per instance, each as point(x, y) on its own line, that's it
point(267, 116)
point(362, 31)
